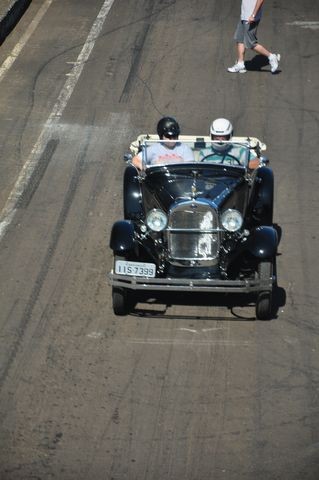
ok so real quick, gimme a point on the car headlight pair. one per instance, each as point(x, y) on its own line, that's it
point(232, 220)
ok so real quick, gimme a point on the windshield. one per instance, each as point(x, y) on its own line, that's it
point(166, 152)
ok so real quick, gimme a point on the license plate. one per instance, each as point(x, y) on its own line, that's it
point(136, 269)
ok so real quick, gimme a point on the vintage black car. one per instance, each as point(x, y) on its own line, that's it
point(202, 225)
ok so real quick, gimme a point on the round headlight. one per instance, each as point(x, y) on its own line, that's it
point(156, 220)
point(232, 220)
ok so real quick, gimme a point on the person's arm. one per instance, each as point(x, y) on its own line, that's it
point(137, 162)
point(254, 163)
point(256, 9)
point(254, 160)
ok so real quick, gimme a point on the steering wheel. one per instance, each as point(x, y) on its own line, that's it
point(229, 155)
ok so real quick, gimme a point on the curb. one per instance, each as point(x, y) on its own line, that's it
point(12, 15)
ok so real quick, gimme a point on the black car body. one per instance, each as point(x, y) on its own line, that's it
point(204, 225)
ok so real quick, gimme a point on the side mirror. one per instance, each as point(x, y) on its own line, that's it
point(127, 157)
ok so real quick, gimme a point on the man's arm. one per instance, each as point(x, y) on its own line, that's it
point(137, 162)
point(256, 9)
point(254, 160)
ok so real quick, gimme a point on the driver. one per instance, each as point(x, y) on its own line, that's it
point(166, 152)
point(222, 129)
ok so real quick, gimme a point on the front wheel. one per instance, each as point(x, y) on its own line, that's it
point(264, 306)
point(121, 301)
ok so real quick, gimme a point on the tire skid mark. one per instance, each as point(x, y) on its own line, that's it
point(138, 49)
point(10, 209)
point(17, 347)
point(137, 53)
point(122, 396)
point(157, 414)
point(37, 174)
point(27, 314)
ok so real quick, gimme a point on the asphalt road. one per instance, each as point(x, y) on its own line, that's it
point(173, 391)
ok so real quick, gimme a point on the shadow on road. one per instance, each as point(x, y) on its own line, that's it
point(11, 17)
point(257, 64)
point(233, 302)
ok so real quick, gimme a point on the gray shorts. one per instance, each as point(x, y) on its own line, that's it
point(246, 34)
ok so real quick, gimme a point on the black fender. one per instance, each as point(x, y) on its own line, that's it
point(262, 201)
point(122, 237)
point(132, 196)
point(262, 242)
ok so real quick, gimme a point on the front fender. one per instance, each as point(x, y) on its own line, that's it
point(263, 242)
point(263, 196)
point(122, 237)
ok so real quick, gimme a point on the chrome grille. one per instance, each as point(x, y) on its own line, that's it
point(193, 232)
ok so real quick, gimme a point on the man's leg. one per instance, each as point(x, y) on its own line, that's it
point(240, 52)
point(272, 57)
point(239, 66)
point(262, 50)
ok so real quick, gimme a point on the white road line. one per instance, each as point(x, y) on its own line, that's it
point(190, 330)
point(7, 64)
point(202, 330)
point(310, 25)
point(190, 343)
point(10, 207)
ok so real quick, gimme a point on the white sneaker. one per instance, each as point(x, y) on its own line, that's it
point(274, 60)
point(239, 67)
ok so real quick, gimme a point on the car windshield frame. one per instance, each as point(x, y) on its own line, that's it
point(216, 153)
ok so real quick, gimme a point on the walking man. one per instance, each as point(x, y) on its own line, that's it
point(245, 36)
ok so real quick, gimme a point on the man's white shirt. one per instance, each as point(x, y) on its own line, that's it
point(247, 8)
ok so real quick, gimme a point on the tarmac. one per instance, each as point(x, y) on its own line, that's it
point(10, 13)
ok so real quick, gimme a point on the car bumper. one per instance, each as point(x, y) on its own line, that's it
point(190, 285)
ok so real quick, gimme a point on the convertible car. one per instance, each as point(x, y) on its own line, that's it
point(201, 225)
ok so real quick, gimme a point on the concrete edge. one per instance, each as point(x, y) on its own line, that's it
point(10, 18)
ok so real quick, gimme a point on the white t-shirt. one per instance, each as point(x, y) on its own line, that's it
point(247, 8)
point(158, 153)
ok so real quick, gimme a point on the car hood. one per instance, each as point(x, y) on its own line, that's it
point(220, 188)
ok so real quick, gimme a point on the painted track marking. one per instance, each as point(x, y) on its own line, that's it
point(310, 25)
point(9, 61)
point(8, 213)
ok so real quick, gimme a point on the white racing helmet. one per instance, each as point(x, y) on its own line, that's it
point(221, 127)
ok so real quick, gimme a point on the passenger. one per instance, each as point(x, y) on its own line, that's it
point(234, 154)
point(172, 151)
